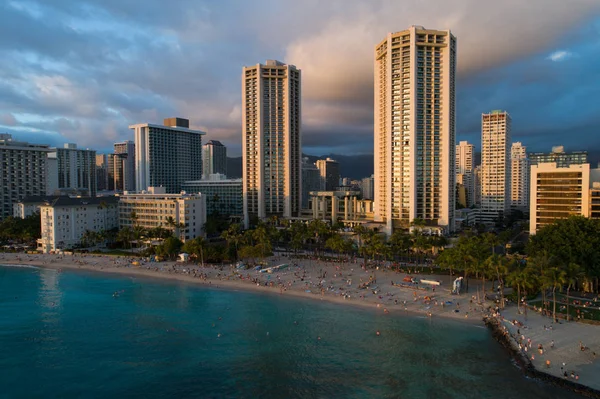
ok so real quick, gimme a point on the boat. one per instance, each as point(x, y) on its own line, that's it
point(430, 282)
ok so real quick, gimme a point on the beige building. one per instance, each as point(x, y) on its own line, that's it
point(341, 206)
point(415, 128)
point(65, 220)
point(495, 166)
point(184, 214)
point(519, 175)
point(271, 140)
point(465, 170)
point(559, 192)
point(329, 170)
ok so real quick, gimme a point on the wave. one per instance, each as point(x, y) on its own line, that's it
point(21, 266)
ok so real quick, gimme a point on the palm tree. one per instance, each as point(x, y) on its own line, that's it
point(499, 266)
point(554, 278)
point(573, 273)
point(233, 236)
point(542, 262)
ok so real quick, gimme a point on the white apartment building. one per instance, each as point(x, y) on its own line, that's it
point(65, 220)
point(223, 196)
point(415, 128)
point(76, 169)
point(167, 155)
point(519, 175)
point(329, 170)
point(559, 192)
point(214, 158)
point(184, 214)
point(271, 140)
point(30, 205)
point(495, 166)
point(465, 170)
point(23, 172)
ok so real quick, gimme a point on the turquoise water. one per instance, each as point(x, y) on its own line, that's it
point(64, 335)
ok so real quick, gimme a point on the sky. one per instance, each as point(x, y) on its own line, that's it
point(82, 71)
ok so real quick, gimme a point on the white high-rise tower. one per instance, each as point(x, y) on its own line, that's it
point(520, 171)
point(415, 128)
point(495, 166)
point(271, 140)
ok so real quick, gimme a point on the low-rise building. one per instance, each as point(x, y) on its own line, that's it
point(560, 192)
point(30, 205)
point(64, 220)
point(184, 214)
point(223, 196)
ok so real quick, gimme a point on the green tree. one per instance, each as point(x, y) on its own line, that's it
point(170, 247)
point(554, 278)
point(573, 273)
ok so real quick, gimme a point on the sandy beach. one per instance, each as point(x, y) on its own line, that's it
point(385, 292)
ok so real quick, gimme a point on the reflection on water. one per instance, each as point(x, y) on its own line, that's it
point(50, 295)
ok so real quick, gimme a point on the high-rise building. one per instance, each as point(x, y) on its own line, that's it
point(559, 156)
point(23, 172)
point(76, 169)
point(223, 196)
point(559, 192)
point(311, 181)
point(415, 128)
point(329, 170)
point(477, 184)
point(464, 171)
point(214, 158)
point(519, 175)
point(368, 186)
point(105, 172)
point(271, 140)
point(495, 166)
point(125, 166)
point(167, 155)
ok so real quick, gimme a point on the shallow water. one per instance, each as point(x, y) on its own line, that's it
point(65, 335)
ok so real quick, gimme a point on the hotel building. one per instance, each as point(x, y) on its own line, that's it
point(223, 196)
point(271, 140)
point(311, 180)
point(167, 155)
point(23, 172)
point(560, 192)
point(76, 169)
point(214, 158)
point(559, 156)
point(125, 166)
point(464, 171)
point(329, 171)
point(65, 220)
point(184, 214)
point(519, 175)
point(415, 128)
point(495, 166)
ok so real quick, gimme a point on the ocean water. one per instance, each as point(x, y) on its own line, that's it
point(64, 335)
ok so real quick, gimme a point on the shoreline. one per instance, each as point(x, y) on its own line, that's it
point(338, 283)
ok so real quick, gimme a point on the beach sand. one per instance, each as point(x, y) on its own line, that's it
point(339, 282)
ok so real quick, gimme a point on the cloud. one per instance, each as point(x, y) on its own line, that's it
point(560, 55)
point(85, 70)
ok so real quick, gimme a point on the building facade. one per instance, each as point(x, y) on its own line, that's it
point(495, 166)
point(23, 172)
point(30, 205)
point(184, 214)
point(271, 140)
point(329, 171)
point(559, 156)
point(125, 166)
point(76, 169)
point(560, 192)
point(311, 180)
point(415, 128)
point(167, 155)
point(214, 158)
point(464, 171)
point(65, 220)
point(223, 196)
point(368, 187)
point(105, 172)
point(519, 175)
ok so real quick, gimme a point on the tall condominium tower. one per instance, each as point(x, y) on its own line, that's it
point(76, 169)
point(495, 166)
point(105, 172)
point(125, 166)
point(330, 174)
point(415, 128)
point(167, 155)
point(311, 180)
point(214, 158)
point(519, 175)
point(465, 169)
point(271, 140)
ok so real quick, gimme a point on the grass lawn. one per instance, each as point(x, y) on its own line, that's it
point(589, 313)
